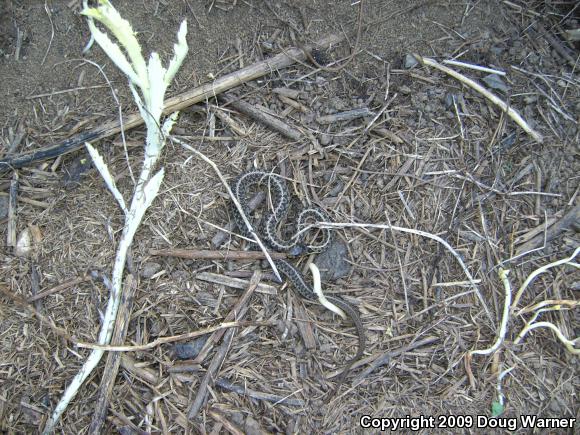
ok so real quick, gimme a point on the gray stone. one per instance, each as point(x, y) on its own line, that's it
point(189, 350)
point(150, 269)
point(494, 81)
point(325, 139)
point(410, 61)
point(332, 262)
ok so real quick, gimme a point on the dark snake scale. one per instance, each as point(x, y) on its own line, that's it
point(280, 200)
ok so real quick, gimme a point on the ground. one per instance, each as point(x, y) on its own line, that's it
point(430, 155)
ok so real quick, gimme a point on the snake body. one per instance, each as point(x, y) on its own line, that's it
point(280, 199)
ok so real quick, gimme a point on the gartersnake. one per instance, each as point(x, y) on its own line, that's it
point(280, 200)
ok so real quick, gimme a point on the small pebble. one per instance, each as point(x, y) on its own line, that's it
point(325, 139)
point(410, 61)
point(189, 350)
point(405, 90)
point(150, 269)
point(494, 81)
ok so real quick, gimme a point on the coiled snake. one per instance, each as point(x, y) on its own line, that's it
point(280, 198)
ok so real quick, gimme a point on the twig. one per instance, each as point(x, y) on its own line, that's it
point(348, 115)
point(386, 357)
point(181, 101)
point(493, 98)
point(245, 391)
point(17, 299)
point(419, 233)
point(12, 212)
point(541, 270)
point(503, 274)
point(196, 254)
point(317, 288)
point(251, 286)
point(220, 356)
point(60, 287)
point(47, 9)
point(159, 341)
point(113, 358)
point(569, 344)
point(264, 118)
point(235, 201)
point(222, 236)
point(571, 218)
point(234, 282)
point(16, 139)
point(475, 67)
point(65, 91)
point(136, 369)
point(556, 302)
point(35, 284)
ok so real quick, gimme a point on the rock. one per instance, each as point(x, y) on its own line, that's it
point(23, 246)
point(494, 81)
point(410, 61)
point(252, 427)
point(149, 269)
point(405, 90)
point(332, 262)
point(325, 139)
point(189, 350)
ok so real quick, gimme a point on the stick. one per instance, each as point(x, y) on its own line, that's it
point(196, 254)
point(20, 301)
point(113, 358)
point(221, 236)
point(221, 353)
point(569, 220)
point(35, 284)
point(196, 95)
point(162, 340)
point(349, 115)
point(59, 288)
point(235, 282)
point(386, 357)
point(513, 114)
point(258, 395)
point(12, 204)
point(265, 118)
point(234, 314)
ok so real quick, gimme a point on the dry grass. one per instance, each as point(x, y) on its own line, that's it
point(463, 172)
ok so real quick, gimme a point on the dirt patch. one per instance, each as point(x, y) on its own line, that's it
point(429, 155)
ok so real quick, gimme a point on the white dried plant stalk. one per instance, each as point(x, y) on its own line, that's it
point(152, 80)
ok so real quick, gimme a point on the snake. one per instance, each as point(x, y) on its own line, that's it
point(294, 245)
